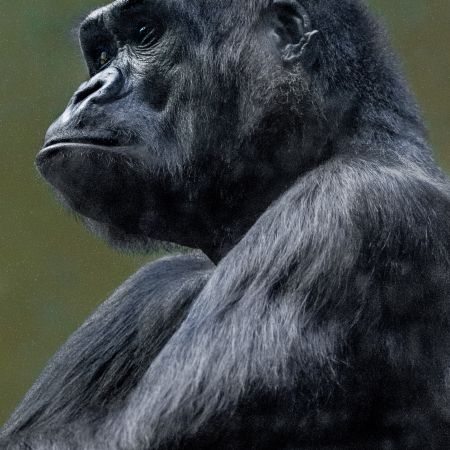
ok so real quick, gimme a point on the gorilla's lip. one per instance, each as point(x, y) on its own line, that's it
point(56, 145)
point(54, 148)
point(107, 141)
point(51, 150)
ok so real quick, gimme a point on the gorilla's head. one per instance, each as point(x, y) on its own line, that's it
point(198, 114)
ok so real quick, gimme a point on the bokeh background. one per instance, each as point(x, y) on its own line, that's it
point(52, 272)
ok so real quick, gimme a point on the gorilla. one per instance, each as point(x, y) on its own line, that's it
point(279, 141)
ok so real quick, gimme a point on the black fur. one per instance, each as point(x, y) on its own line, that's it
point(281, 140)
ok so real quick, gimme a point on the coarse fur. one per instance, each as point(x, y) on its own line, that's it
point(279, 138)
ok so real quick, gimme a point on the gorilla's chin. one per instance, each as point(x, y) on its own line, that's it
point(95, 181)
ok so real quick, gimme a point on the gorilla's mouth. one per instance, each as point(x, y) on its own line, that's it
point(108, 141)
point(67, 144)
point(95, 178)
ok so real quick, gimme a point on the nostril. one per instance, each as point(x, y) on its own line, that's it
point(87, 90)
point(104, 87)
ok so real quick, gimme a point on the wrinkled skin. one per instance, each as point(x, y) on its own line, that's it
point(279, 138)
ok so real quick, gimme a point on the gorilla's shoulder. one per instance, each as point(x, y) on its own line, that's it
point(167, 273)
point(164, 281)
point(173, 267)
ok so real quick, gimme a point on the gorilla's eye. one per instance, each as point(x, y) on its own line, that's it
point(147, 36)
point(104, 59)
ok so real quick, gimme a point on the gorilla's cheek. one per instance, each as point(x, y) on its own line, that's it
point(100, 185)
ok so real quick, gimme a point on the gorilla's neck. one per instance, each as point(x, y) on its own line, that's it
point(226, 215)
point(216, 227)
point(219, 241)
point(215, 254)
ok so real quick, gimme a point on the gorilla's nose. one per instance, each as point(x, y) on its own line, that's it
point(102, 88)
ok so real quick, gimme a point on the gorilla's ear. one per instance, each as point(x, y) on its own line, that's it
point(289, 28)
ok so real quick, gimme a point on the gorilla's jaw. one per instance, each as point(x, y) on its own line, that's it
point(119, 197)
point(99, 182)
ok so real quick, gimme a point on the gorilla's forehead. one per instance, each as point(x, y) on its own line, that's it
point(192, 10)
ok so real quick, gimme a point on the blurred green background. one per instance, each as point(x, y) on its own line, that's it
point(52, 272)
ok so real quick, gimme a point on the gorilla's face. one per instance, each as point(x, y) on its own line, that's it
point(189, 124)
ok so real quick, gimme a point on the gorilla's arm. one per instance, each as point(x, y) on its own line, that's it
point(103, 360)
point(280, 309)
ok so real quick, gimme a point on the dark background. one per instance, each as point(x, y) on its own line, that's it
point(52, 272)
